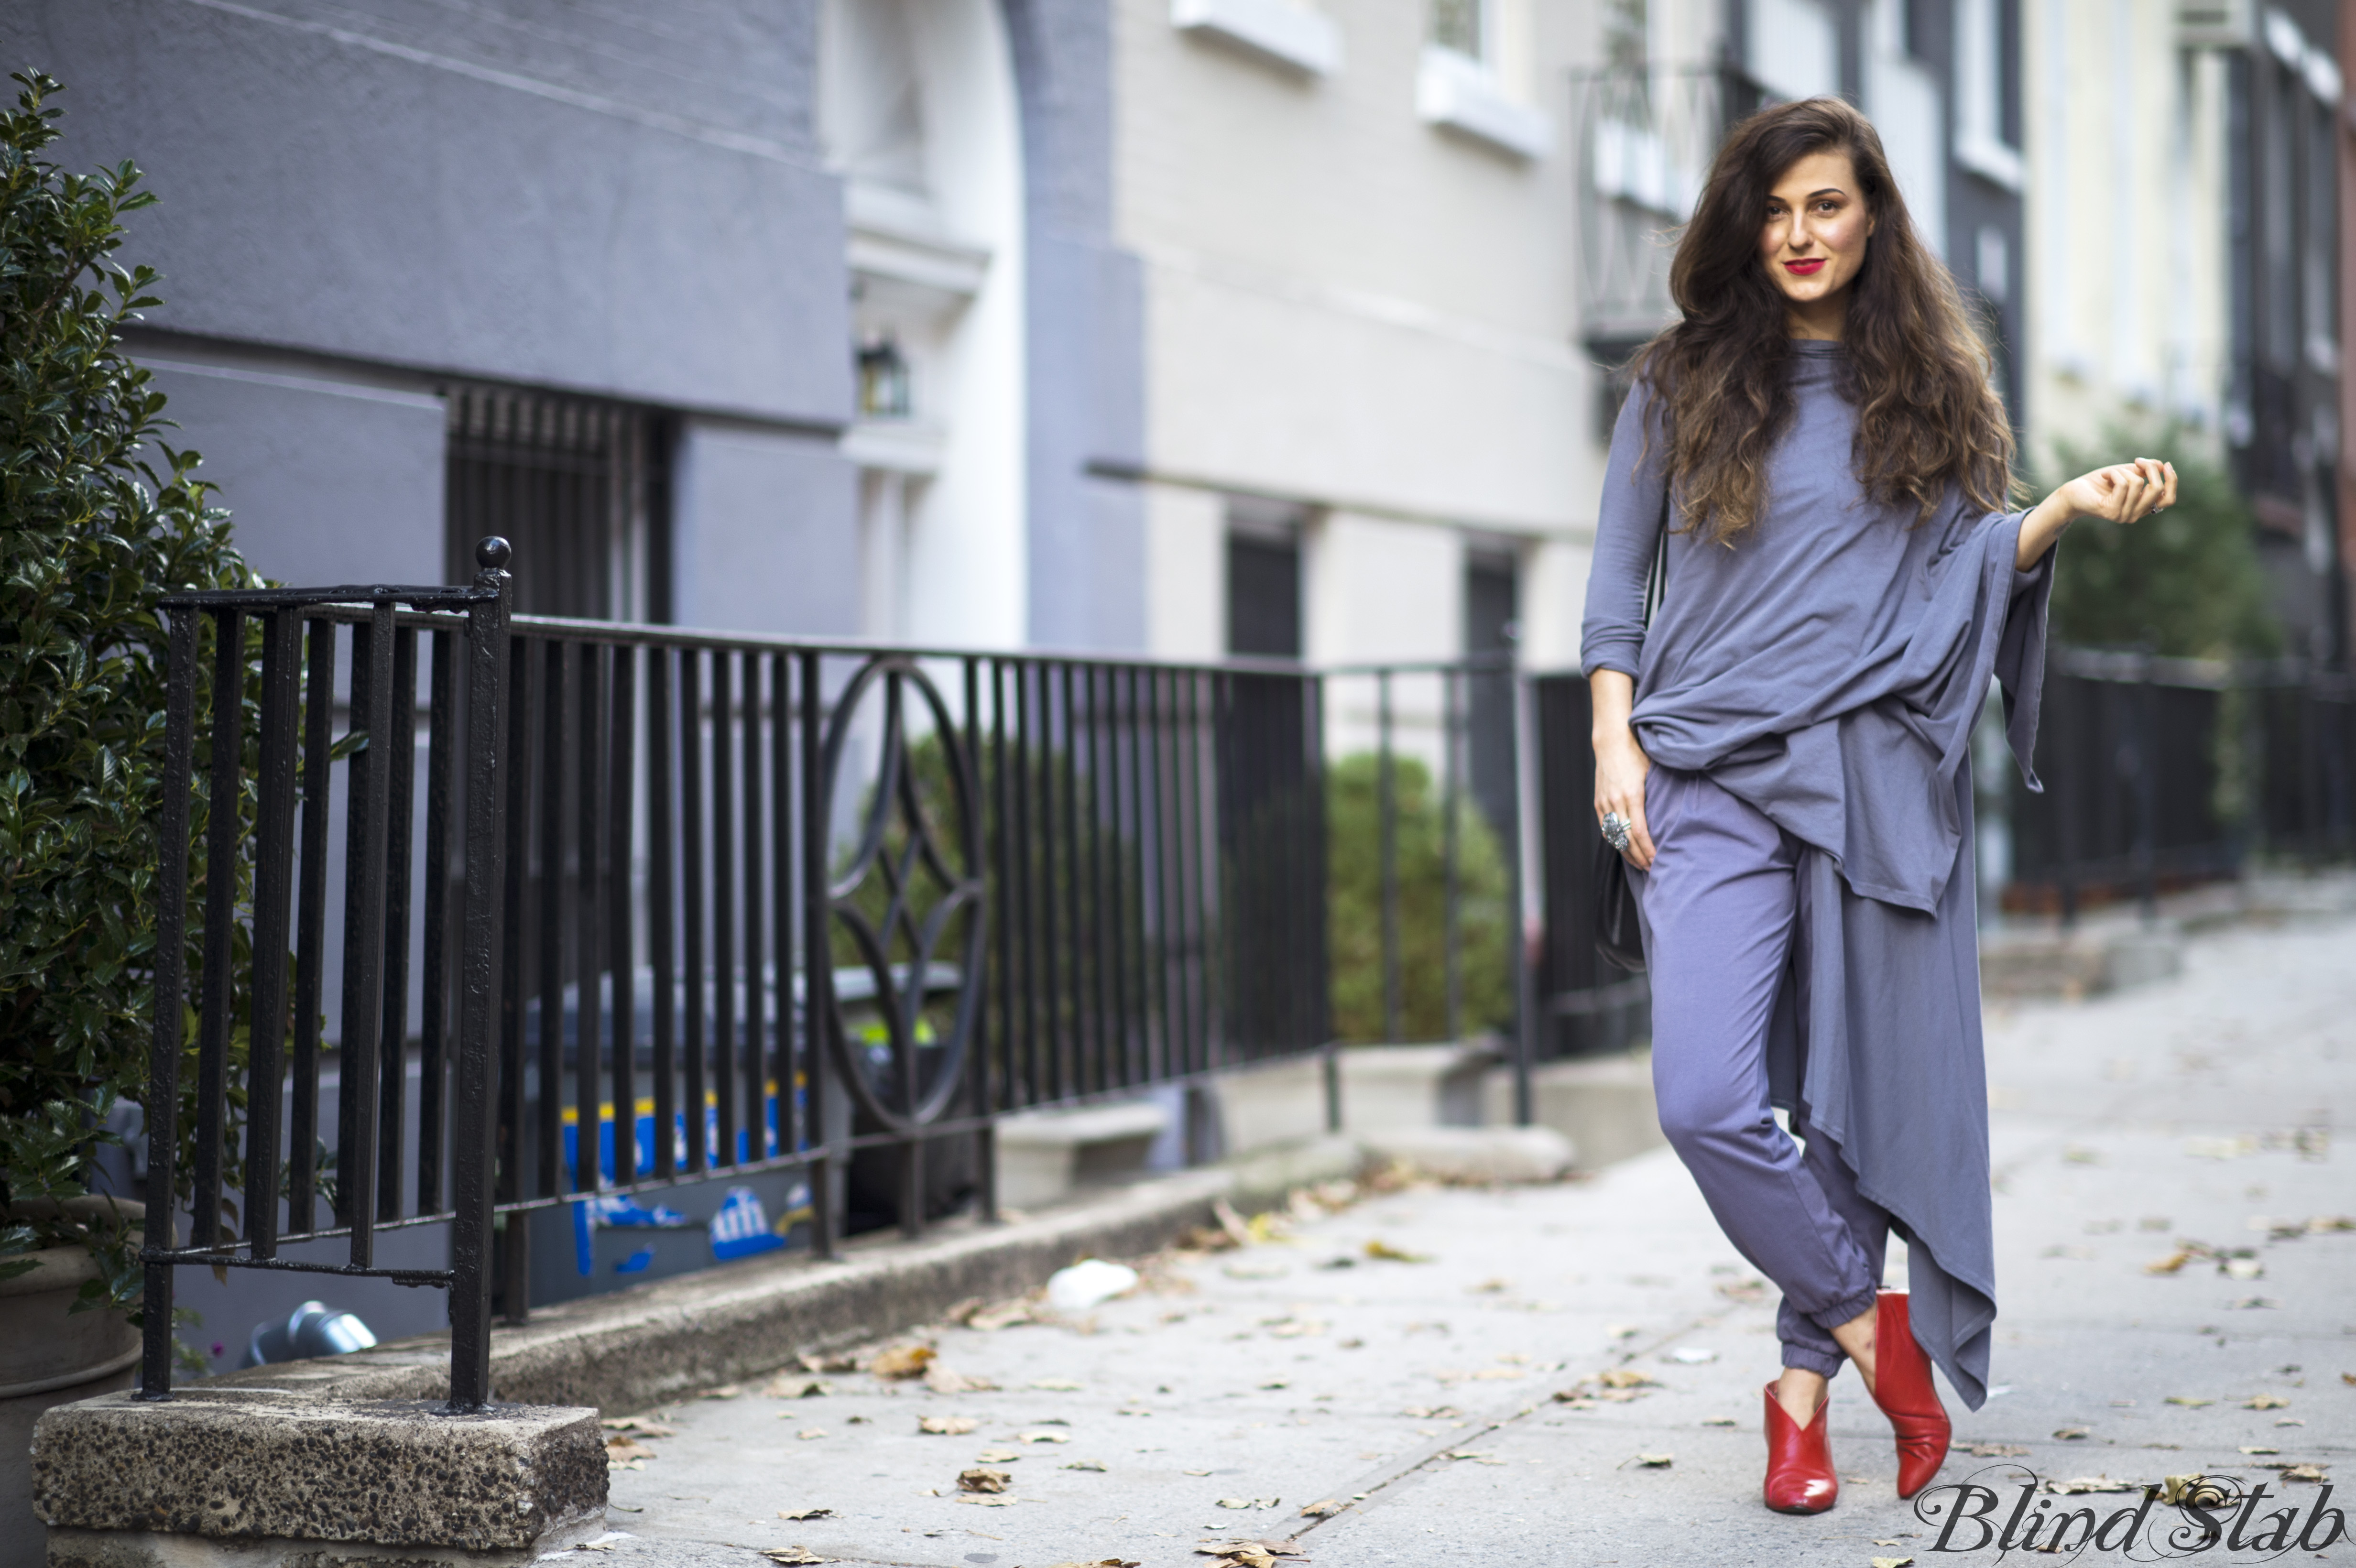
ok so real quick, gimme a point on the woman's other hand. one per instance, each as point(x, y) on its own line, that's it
point(1620, 765)
point(2124, 493)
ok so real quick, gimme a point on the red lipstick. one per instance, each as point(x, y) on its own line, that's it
point(1806, 267)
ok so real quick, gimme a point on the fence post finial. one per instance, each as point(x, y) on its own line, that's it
point(493, 553)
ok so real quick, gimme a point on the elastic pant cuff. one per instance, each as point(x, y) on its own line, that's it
point(1808, 1358)
point(1841, 1312)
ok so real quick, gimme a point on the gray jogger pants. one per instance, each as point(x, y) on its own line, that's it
point(1720, 908)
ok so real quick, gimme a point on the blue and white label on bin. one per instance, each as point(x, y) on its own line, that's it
point(741, 1229)
point(616, 1211)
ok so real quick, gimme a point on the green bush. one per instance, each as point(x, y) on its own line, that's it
point(92, 529)
point(2187, 582)
point(1356, 889)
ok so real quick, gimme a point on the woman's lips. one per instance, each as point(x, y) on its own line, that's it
point(1805, 268)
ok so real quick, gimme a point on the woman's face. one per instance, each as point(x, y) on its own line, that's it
point(1813, 240)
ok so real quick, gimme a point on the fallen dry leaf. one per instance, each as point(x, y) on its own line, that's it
point(798, 1514)
point(2188, 1401)
point(2084, 1483)
point(725, 1391)
point(2266, 1402)
point(794, 1385)
point(811, 1434)
point(620, 1447)
point(639, 1424)
point(793, 1554)
point(1383, 1250)
point(982, 1478)
point(1095, 1562)
point(2242, 1268)
point(898, 1362)
point(2303, 1473)
point(1656, 1461)
point(940, 1380)
point(2349, 1378)
point(1490, 1287)
point(2196, 1489)
point(2072, 1433)
point(1043, 1434)
point(1236, 1502)
point(1720, 1421)
point(1995, 1450)
point(1097, 1465)
point(2174, 1261)
point(1231, 1224)
point(1892, 1561)
point(948, 1426)
point(1324, 1508)
point(1005, 1314)
point(1056, 1385)
point(1252, 1553)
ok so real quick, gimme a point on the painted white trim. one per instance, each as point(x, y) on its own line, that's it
point(2283, 38)
point(1286, 31)
point(292, 383)
point(1990, 159)
point(1460, 92)
point(901, 446)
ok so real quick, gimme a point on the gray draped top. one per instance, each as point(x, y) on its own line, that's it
point(1828, 665)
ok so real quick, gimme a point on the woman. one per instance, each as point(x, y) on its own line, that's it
point(1816, 455)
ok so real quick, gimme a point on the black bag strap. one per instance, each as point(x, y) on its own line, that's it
point(1657, 583)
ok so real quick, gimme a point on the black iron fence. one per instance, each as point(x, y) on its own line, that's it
point(701, 905)
point(2163, 772)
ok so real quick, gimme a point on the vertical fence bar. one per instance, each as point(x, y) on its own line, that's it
point(1128, 1020)
point(1095, 929)
point(981, 1092)
point(215, 986)
point(662, 889)
point(589, 928)
point(555, 720)
point(1387, 827)
point(479, 991)
point(998, 864)
point(1054, 1079)
point(400, 785)
point(273, 872)
point(690, 820)
point(723, 908)
point(783, 1067)
point(1516, 919)
point(1452, 893)
point(515, 830)
point(1022, 788)
point(2147, 755)
point(1198, 845)
point(817, 966)
point(434, 1035)
point(170, 987)
point(364, 872)
point(311, 928)
point(622, 730)
point(756, 1097)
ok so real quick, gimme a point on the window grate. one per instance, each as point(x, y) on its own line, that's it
point(580, 486)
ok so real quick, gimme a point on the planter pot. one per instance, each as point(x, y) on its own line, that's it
point(50, 1356)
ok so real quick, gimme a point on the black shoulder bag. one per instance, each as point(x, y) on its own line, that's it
point(1619, 931)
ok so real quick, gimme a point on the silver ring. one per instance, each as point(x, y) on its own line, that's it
point(1615, 831)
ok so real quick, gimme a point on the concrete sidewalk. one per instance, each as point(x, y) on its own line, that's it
point(2192, 1120)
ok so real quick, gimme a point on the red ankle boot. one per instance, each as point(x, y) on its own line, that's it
point(1902, 1388)
point(1800, 1478)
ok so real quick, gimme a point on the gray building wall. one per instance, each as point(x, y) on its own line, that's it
point(1085, 302)
point(606, 198)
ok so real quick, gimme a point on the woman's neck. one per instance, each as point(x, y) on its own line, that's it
point(1820, 320)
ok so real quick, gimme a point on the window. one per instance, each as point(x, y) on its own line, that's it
point(1264, 578)
point(1491, 626)
point(1458, 25)
point(2322, 226)
point(580, 487)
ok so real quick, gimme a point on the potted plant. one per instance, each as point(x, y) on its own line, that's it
point(98, 518)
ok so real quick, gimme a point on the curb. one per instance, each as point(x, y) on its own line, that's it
point(634, 1348)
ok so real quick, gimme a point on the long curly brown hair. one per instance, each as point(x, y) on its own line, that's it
point(1916, 371)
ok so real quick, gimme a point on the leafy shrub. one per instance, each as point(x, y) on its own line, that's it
point(92, 530)
point(1356, 911)
point(2187, 582)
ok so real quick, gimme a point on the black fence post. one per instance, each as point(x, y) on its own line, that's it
point(1526, 1021)
point(480, 979)
point(171, 986)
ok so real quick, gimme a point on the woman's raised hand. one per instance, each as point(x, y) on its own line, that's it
point(2124, 493)
point(1620, 765)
